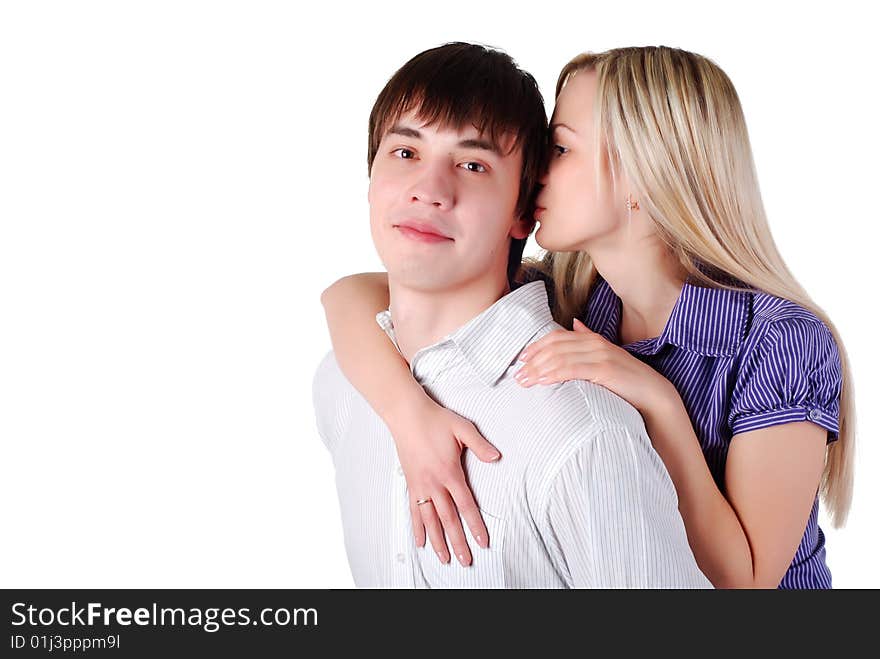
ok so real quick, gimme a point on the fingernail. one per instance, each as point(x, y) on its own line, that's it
point(462, 560)
point(444, 558)
point(482, 541)
point(543, 378)
point(522, 379)
point(494, 456)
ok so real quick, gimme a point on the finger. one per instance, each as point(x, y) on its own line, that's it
point(568, 367)
point(569, 338)
point(468, 435)
point(561, 351)
point(451, 522)
point(417, 524)
point(467, 506)
point(578, 326)
point(543, 342)
point(573, 370)
point(435, 530)
point(541, 366)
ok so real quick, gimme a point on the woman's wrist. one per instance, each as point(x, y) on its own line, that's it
point(402, 404)
point(666, 408)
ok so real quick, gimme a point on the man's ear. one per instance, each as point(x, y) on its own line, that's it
point(522, 228)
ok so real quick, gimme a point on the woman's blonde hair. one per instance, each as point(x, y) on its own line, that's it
point(671, 121)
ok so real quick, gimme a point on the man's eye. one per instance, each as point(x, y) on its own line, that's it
point(406, 154)
point(559, 149)
point(474, 167)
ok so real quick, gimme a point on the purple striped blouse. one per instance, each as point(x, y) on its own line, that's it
point(742, 361)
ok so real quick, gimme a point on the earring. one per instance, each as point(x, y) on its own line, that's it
point(631, 204)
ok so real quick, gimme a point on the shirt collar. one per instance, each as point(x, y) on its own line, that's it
point(489, 342)
point(707, 321)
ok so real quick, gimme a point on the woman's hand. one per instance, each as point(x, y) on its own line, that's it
point(430, 440)
point(584, 355)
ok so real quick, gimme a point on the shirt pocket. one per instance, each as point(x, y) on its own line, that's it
point(486, 569)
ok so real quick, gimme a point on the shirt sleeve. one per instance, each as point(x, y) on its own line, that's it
point(792, 374)
point(613, 518)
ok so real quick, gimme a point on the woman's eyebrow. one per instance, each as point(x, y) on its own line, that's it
point(554, 126)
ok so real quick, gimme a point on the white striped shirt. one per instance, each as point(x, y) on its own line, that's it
point(579, 499)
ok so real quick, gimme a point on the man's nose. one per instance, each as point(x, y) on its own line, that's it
point(434, 187)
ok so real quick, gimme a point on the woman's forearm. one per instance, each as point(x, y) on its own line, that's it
point(714, 531)
point(365, 354)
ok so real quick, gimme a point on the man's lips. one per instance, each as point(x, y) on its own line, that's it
point(421, 231)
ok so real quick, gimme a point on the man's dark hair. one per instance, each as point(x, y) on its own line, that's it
point(460, 84)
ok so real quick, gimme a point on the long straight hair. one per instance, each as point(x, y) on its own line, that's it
point(671, 121)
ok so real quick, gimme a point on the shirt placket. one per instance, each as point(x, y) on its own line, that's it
point(401, 529)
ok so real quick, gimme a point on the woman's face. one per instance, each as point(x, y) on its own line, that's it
point(573, 210)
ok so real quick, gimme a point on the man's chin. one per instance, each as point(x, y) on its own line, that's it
point(421, 275)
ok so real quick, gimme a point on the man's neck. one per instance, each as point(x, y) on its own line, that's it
point(422, 318)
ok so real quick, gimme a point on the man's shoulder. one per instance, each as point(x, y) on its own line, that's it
point(332, 395)
point(327, 373)
point(329, 384)
point(588, 407)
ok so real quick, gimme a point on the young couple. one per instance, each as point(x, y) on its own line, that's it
point(677, 435)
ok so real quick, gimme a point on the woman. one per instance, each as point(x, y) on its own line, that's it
point(657, 237)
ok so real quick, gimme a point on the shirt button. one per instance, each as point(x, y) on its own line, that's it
point(815, 415)
point(401, 558)
point(400, 471)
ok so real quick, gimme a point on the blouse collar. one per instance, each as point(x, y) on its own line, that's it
point(707, 321)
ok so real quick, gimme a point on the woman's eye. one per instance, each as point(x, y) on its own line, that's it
point(406, 154)
point(474, 167)
point(559, 149)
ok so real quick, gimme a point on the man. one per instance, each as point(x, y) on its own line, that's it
point(580, 498)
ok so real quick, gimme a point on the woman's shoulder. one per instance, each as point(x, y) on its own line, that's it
point(770, 311)
point(778, 324)
point(789, 369)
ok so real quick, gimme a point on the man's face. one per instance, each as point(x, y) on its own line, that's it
point(442, 205)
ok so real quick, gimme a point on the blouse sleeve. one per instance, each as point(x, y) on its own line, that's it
point(791, 374)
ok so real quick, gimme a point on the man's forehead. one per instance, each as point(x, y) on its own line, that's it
point(421, 121)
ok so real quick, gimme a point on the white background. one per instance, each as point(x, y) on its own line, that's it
point(180, 180)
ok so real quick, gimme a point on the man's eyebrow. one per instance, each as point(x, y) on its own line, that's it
point(406, 131)
point(474, 143)
point(480, 144)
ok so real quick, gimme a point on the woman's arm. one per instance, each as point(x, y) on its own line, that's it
point(428, 437)
point(748, 538)
point(744, 537)
point(350, 306)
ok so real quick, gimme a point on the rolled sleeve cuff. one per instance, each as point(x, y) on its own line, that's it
point(757, 420)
